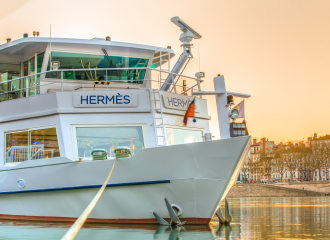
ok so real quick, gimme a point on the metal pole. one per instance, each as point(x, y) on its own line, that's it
point(199, 87)
point(221, 100)
point(50, 47)
point(160, 66)
point(62, 81)
point(27, 89)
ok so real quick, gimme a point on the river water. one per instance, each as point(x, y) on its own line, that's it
point(253, 218)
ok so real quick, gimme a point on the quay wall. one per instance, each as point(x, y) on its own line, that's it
point(279, 190)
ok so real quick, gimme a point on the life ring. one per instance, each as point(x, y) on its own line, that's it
point(177, 209)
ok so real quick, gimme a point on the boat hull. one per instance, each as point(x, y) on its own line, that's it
point(195, 176)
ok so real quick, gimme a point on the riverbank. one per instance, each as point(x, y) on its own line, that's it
point(294, 189)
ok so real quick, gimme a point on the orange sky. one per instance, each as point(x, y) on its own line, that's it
point(275, 50)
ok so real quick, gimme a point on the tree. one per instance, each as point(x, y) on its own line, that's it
point(280, 162)
point(311, 163)
point(246, 169)
point(320, 152)
point(294, 158)
point(266, 165)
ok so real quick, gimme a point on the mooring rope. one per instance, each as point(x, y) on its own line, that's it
point(72, 232)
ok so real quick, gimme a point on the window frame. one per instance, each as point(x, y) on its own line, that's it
point(184, 128)
point(75, 140)
point(29, 139)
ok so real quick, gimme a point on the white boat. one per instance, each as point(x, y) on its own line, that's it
point(63, 98)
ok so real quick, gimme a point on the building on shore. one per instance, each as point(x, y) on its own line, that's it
point(301, 161)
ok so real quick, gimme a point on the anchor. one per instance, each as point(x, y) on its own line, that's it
point(226, 228)
point(175, 232)
point(227, 219)
point(175, 221)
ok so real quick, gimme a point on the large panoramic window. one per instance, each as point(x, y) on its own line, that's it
point(108, 138)
point(96, 63)
point(31, 145)
point(181, 136)
point(9, 71)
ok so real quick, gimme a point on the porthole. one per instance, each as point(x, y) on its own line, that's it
point(21, 183)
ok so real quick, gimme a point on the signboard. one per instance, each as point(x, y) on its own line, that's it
point(238, 129)
point(106, 99)
point(178, 101)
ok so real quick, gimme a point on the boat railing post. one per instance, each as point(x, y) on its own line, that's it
point(199, 87)
point(61, 81)
point(27, 89)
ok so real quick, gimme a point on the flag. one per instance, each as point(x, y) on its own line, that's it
point(240, 108)
point(190, 112)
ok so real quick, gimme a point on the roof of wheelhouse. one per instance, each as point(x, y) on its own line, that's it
point(20, 46)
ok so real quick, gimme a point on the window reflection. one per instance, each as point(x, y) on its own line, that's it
point(17, 147)
point(10, 90)
point(108, 138)
point(180, 136)
point(97, 62)
point(31, 145)
point(44, 144)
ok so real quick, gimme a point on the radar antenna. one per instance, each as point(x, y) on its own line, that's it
point(187, 35)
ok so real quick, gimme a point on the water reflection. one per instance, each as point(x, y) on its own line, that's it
point(253, 218)
point(278, 218)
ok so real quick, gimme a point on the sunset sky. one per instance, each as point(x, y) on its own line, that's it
point(276, 50)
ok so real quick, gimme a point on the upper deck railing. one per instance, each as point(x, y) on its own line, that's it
point(58, 80)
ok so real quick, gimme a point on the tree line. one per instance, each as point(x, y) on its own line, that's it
point(290, 158)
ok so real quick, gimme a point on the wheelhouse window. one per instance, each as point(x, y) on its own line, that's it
point(181, 136)
point(108, 138)
point(31, 144)
point(9, 71)
point(97, 62)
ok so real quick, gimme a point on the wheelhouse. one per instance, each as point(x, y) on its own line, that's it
point(70, 97)
point(83, 63)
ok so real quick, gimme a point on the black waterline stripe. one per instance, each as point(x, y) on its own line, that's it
point(88, 186)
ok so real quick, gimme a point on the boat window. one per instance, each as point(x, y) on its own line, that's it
point(97, 62)
point(181, 136)
point(40, 59)
point(31, 145)
point(108, 138)
point(9, 71)
point(17, 147)
point(44, 144)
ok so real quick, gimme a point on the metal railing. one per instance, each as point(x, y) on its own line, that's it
point(35, 84)
point(21, 153)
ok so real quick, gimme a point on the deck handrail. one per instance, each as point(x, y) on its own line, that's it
point(60, 79)
point(100, 69)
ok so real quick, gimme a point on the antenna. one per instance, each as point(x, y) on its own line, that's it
point(185, 27)
point(188, 33)
point(199, 59)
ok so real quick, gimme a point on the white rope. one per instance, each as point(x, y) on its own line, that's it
point(72, 232)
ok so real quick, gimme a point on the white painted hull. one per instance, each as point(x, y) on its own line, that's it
point(194, 176)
